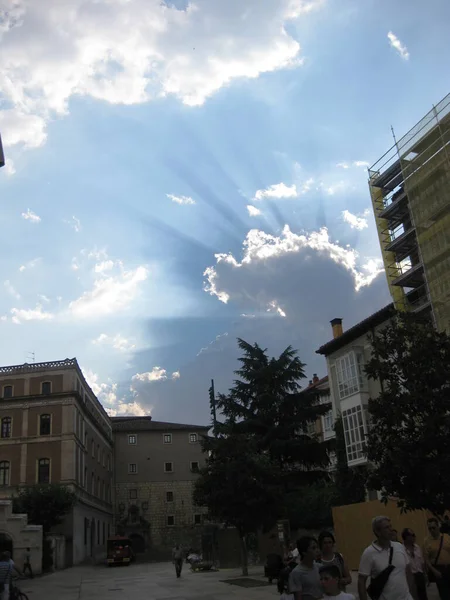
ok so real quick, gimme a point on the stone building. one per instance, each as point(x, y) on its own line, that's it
point(54, 430)
point(16, 535)
point(156, 466)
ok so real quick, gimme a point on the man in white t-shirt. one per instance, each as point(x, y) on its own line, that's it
point(375, 558)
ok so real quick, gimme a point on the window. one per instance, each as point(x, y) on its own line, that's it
point(99, 491)
point(145, 506)
point(93, 484)
point(168, 467)
point(132, 468)
point(86, 522)
point(194, 467)
point(43, 470)
point(4, 472)
point(311, 428)
point(104, 532)
point(85, 439)
point(109, 463)
point(98, 533)
point(45, 422)
point(93, 448)
point(197, 519)
point(107, 496)
point(328, 422)
point(133, 494)
point(170, 520)
point(103, 458)
point(167, 438)
point(348, 375)
point(169, 496)
point(98, 453)
point(85, 478)
point(193, 438)
point(354, 432)
point(46, 387)
point(132, 440)
point(6, 427)
point(7, 391)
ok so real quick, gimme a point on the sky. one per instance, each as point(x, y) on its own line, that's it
point(180, 174)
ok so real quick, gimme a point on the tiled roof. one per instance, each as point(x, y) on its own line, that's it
point(357, 330)
point(147, 424)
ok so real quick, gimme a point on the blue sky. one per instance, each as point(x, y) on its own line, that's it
point(179, 175)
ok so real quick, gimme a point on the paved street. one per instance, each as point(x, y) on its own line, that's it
point(151, 582)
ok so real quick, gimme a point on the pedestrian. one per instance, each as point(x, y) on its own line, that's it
point(5, 575)
point(27, 563)
point(437, 556)
point(304, 580)
point(177, 559)
point(328, 556)
point(417, 562)
point(387, 564)
point(330, 579)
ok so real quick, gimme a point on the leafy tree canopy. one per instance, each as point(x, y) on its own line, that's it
point(409, 437)
point(45, 505)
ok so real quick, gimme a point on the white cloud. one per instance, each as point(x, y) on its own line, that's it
point(343, 165)
point(361, 163)
point(74, 265)
point(109, 294)
point(156, 374)
point(74, 223)
point(107, 395)
point(133, 51)
point(278, 190)
point(213, 346)
point(356, 221)
point(181, 199)
point(31, 216)
point(263, 251)
point(29, 265)
point(118, 342)
point(34, 314)
point(44, 298)
point(398, 46)
point(11, 290)
point(9, 167)
point(253, 211)
point(355, 163)
point(105, 265)
point(176, 375)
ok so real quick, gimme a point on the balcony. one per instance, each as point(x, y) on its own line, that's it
point(355, 432)
point(403, 243)
point(407, 275)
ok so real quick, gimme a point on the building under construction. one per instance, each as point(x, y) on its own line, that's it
point(410, 190)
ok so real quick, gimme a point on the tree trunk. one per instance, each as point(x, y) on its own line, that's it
point(244, 554)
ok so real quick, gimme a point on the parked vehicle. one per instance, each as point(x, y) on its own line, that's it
point(119, 551)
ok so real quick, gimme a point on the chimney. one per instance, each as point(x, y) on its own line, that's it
point(315, 378)
point(336, 325)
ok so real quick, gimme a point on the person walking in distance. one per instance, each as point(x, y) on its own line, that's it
point(385, 558)
point(437, 556)
point(304, 580)
point(177, 559)
point(27, 563)
point(417, 562)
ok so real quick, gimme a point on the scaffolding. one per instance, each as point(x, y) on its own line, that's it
point(410, 190)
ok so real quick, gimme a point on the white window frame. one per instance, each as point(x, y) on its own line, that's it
point(131, 437)
point(355, 432)
point(132, 468)
point(169, 436)
point(328, 421)
point(168, 462)
point(195, 436)
point(348, 374)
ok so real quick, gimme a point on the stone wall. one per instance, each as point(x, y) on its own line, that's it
point(148, 515)
point(14, 528)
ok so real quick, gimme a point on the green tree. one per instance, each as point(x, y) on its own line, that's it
point(310, 507)
point(45, 505)
point(261, 451)
point(267, 404)
point(409, 437)
point(238, 486)
point(349, 482)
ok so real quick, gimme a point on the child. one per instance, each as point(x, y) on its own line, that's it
point(330, 578)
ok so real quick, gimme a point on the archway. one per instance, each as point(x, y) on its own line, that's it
point(137, 543)
point(6, 543)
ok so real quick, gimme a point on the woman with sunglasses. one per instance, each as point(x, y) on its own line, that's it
point(417, 562)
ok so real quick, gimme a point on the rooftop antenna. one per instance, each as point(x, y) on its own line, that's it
point(31, 356)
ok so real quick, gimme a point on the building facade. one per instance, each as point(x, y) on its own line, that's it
point(350, 388)
point(156, 467)
point(54, 430)
point(410, 191)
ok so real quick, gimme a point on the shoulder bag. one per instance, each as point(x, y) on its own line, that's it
point(431, 575)
point(377, 583)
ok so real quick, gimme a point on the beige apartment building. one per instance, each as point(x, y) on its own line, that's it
point(350, 388)
point(156, 467)
point(54, 430)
